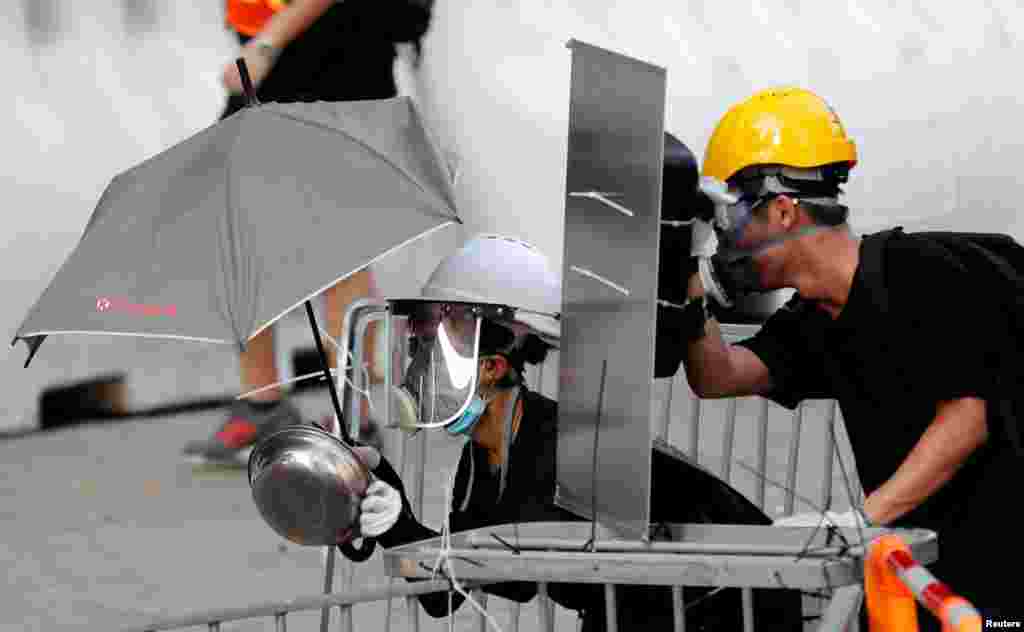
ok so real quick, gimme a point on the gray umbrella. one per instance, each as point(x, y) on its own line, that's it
point(224, 233)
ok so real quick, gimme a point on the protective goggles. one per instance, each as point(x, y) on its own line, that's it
point(734, 204)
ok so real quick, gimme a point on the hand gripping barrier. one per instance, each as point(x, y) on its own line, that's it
point(893, 580)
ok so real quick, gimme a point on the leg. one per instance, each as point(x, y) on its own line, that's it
point(339, 297)
point(252, 418)
point(259, 367)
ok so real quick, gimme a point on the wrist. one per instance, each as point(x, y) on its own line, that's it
point(265, 47)
point(694, 286)
point(695, 314)
point(868, 522)
point(869, 512)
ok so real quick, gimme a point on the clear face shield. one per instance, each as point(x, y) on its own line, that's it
point(431, 359)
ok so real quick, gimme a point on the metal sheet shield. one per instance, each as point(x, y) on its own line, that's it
point(612, 218)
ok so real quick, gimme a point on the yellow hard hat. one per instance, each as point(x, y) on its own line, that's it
point(781, 126)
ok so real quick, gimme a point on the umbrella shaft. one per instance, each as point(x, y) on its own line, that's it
point(327, 373)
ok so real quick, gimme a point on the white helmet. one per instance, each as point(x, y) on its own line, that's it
point(431, 348)
point(496, 270)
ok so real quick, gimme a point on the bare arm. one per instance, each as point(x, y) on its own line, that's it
point(282, 28)
point(958, 429)
point(293, 20)
point(716, 369)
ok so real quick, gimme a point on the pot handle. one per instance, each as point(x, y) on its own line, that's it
point(361, 554)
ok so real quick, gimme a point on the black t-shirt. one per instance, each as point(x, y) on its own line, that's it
point(681, 492)
point(346, 54)
point(889, 371)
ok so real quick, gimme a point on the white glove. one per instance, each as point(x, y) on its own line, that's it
point(704, 241)
point(847, 519)
point(703, 245)
point(380, 509)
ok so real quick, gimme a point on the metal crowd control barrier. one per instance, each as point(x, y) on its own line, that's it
point(719, 555)
point(697, 555)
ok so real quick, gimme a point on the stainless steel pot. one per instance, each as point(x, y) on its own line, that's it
point(308, 485)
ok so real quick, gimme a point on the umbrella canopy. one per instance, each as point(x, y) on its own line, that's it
point(219, 236)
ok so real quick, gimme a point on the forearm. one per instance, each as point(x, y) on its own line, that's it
point(708, 360)
point(293, 20)
point(958, 429)
point(407, 528)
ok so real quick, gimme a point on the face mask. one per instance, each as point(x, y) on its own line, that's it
point(438, 399)
point(468, 420)
point(404, 413)
point(737, 273)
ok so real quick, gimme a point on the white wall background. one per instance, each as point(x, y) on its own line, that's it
point(84, 98)
point(89, 95)
point(929, 91)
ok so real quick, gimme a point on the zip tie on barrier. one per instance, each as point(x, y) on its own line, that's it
point(894, 579)
point(443, 564)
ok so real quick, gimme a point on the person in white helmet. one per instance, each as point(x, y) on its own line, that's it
point(486, 312)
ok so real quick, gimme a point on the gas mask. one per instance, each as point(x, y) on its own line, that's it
point(433, 359)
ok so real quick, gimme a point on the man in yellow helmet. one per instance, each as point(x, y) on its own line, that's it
point(913, 379)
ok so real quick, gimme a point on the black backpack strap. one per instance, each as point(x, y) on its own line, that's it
point(872, 264)
point(999, 259)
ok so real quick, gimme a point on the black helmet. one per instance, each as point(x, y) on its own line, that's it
point(680, 172)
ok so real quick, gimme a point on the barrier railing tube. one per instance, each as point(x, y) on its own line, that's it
point(893, 580)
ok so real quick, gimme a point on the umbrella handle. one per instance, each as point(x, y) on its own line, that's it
point(243, 71)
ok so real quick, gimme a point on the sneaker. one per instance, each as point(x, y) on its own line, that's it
point(245, 427)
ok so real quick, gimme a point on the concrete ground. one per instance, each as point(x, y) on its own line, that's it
point(106, 527)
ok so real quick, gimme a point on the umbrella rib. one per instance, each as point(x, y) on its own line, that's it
point(123, 333)
point(348, 274)
point(369, 147)
point(231, 255)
